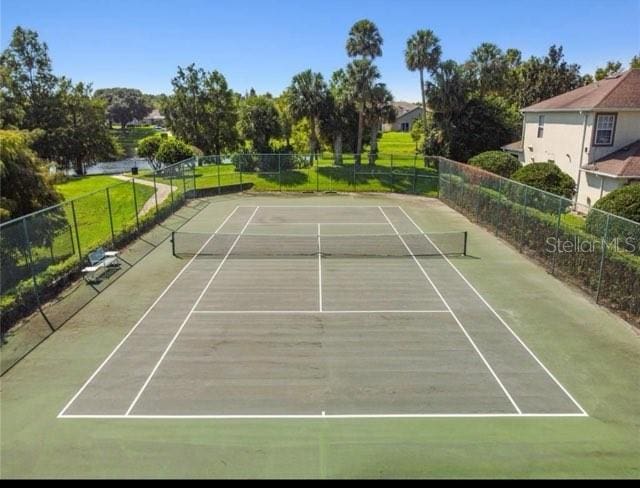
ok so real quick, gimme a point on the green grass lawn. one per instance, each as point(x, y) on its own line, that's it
point(396, 143)
point(129, 137)
point(92, 207)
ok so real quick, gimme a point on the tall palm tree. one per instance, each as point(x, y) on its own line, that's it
point(423, 53)
point(365, 42)
point(338, 119)
point(362, 75)
point(379, 110)
point(307, 98)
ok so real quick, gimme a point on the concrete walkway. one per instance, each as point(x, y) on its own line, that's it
point(163, 191)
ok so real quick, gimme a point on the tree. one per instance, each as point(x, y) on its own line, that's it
point(362, 75)
point(635, 62)
point(286, 119)
point(148, 148)
point(379, 110)
point(542, 78)
point(259, 122)
point(547, 177)
point(124, 104)
point(30, 82)
point(422, 53)
point(339, 123)
point(364, 42)
point(172, 151)
point(25, 186)
point(202, 110)
point(307, 99)
point(488, 68)
point(82, 137)
point(611, 68)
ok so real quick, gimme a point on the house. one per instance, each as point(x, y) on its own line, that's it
point(515, 149)
point(592, 133)
point(154, 118)
point(406, 114)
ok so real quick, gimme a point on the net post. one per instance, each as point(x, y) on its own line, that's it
point(173, 243)
point(466, 237)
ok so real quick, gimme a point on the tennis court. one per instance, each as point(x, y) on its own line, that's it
point(320, 311)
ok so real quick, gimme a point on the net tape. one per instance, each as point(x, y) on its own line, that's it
point(189, 244)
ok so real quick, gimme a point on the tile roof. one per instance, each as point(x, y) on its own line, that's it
point(617, 92)
point(623, 163)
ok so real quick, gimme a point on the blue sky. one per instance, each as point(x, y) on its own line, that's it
point(262, 44)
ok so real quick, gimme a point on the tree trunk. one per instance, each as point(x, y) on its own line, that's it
point(373, 144)
point(360, 131)
point(424, 113)
point(79, 168)
point(337, 148)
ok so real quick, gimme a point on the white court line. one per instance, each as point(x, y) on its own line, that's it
point(330, 416)
point(315, 223)
point(95, 373)
point(319, 270)
point(499, 318)
point(173, 340)
point(312, 311)
point(484, 360)
point(311, 206)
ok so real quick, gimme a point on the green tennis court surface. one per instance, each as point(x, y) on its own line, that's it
point(329, 336)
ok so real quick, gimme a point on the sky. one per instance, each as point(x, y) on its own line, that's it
point(263, 43)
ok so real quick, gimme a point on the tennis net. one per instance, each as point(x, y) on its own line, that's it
point(189, 244)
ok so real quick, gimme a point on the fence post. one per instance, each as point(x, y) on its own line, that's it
point(75, 226)
point(155, 192)
point(171, 190)
point(184, 181)
point(497, 224)
point(415, 172)
point(524, 218)
point(241, 188)
point(219, 162)
point(279, 173)
point(113, 234)
point(355, 176)
point(555, 254)
point(478, 204)
point(195, 165)
point(33, 272)
point(604, 252)
point(135, 202)
point(317, 174)
point(392, 187)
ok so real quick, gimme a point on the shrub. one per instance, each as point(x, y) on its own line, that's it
point(498, 162)
point(625, 202)
point(173, 151)
point(547, 177)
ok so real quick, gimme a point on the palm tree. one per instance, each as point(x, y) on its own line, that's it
point(423, 53)
point(340, 113)
point(307, 98)
point(362, 75)
point(379, 110)
point(364, 41)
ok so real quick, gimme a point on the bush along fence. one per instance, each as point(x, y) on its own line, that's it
point(42, 252)
point(595, 250)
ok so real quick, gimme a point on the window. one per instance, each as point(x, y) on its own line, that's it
point(605, 126)
point(405, 127)
point(540, 126)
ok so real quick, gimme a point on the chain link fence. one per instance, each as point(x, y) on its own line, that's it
point(42, 253)
point(595, 250)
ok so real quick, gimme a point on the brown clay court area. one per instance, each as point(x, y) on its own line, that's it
point(327, 336)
